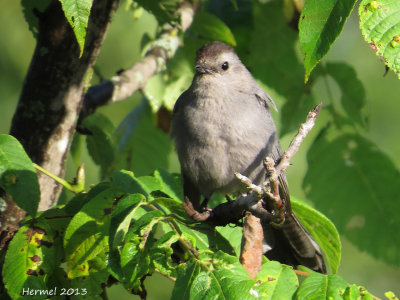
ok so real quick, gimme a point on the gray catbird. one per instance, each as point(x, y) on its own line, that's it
point(221, 125)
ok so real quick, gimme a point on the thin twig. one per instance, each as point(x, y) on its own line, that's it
point(294, 146)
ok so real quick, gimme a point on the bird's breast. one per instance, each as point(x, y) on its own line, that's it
point(218, 137)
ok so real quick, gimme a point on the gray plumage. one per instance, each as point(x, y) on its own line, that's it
point(221, 125)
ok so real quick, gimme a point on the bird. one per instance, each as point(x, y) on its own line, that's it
point(222, 125)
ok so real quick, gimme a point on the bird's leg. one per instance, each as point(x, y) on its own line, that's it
point(203, 205)
point(193, 213)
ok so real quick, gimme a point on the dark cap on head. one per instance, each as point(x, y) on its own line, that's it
point(212, 50)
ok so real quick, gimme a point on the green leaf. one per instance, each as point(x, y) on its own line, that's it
point(141, 146)
point(87, 234)
point(155, 90)
point(353, 93)
point(233, 235)
point(170, 184)
point(17, 174)
point(211, 27)
point(122, 216)
point(100, 142)
point(227, 281)
point(278, 281)
point(321, 22)
point(322, 230)
point(163, 10)
point(357, 292)
point(207, 238)
point(274, 60)
point(221, 276)
point(135, 254)
point(93, 283)
point(76, 203)
point(30, 251)
point(127, 181)
point(161, 253)
point(319, 286)
point(77, 13)
point(170, 206)
point(380, 26)
point(390, 295)
point(356, 185)
point(187, 272)
point(146, 222)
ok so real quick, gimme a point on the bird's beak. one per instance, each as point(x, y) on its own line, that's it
point(201, 68)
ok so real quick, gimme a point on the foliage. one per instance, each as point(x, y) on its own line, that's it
point(77, 13)
point(133, 225)
point(17, 174)
point(380, 23)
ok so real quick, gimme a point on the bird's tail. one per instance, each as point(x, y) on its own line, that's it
point(292, 244)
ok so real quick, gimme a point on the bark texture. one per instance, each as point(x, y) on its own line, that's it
point(52, 96)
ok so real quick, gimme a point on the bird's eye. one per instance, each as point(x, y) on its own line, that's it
point(225, 66)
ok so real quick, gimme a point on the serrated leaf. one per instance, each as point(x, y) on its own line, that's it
point(357, 293)
point(353, 92)
point(17, 174)
point(380, 26)
point(27, 254)
point(100, 142)
point(187, 272)
point(233, 235)
point(319, 286)
point(127, 181)
point(146, 222)
point(206, 237)
point(356, 185)
point(278, 281)
point(78, 201)
point(77, 13)
point(161, 253)
point(170, 184)
point(122, 216)
point(87, 234)
point(322, 230)
point(170, 206)
point(93, 283)
point(220, 285)
point(135, 257)
point(321, 22)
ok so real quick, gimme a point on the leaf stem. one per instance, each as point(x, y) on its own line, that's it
point(71, 187)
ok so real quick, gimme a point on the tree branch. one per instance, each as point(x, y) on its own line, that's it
point(123, 85)
point(51, 98)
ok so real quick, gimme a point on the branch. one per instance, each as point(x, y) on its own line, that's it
point(123, 85)
point(294, 146)
point(51, 98)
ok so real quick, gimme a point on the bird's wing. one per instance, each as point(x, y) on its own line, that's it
point(262, 95)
